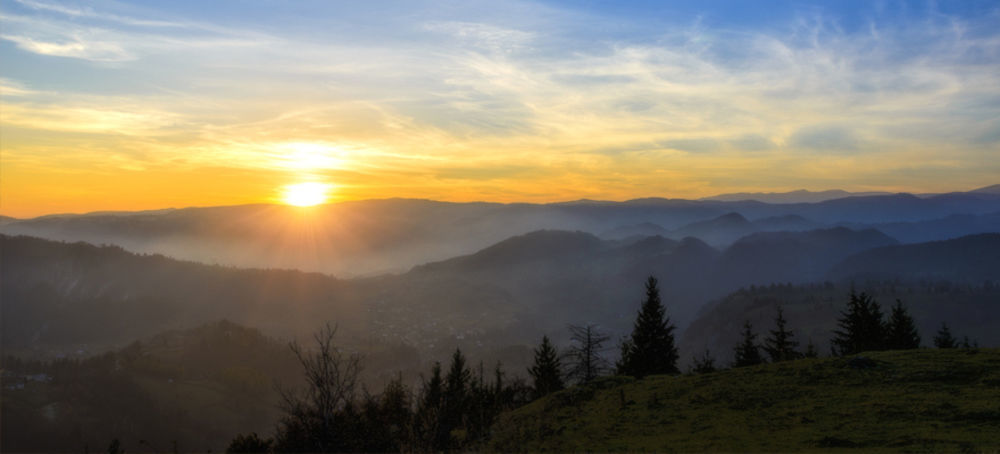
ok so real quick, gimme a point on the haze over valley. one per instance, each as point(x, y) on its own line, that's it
point(531, 225)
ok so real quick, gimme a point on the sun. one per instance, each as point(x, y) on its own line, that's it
point(306, 194)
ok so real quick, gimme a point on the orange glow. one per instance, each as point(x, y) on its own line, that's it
point(306, 194)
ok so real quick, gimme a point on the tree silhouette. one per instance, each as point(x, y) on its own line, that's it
point(747, 353)
point(861, 327)
point(650, 349)
point(811, 350)
point(779, 345)
point(705, 364)
point(115, 447)
point(428, 429)
point(944, 339)
point(901, 332)
point(251, 443)
point(319, 418)
point(584, 354)
point(455, 396)
point(546, 373)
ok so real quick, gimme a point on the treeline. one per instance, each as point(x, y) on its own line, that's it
point(454, 410)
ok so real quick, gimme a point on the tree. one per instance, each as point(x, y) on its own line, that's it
point(318, 418)
point(584, 354)
point(861, 327)
point(944, 339)
point(384, 421)
point(545, 373)
point(650, 349)
point(115, 447)
point(427, 425)
point(251, 443)
point(455, 398)
point(811, 350)
point(747, 353)
point(901, 332)
point(779, 345)
point(705, 364)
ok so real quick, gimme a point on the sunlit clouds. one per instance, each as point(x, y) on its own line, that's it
point(524, 102)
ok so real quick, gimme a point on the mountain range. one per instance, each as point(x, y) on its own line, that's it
point(367, 238)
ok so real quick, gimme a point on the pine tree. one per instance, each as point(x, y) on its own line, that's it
point(747, 353)
point(705, 364)
point(545, 373)
point(584, 354)
point(428, 429)
point(811, 350)
point(779, 345)
point(944, 339)
point(861, 327)
point(650, 349)
point(901, 332)
point(456, 395)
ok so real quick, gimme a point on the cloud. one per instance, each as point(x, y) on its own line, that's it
point(752, 142)
point(825, 138)
point(545, 87)
point(75, 47)
point(696, 145)
point(484, 36)
point(13, 88)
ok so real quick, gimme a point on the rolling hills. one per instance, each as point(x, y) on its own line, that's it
point(366, 238)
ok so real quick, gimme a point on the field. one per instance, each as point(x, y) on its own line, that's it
point(900, 401)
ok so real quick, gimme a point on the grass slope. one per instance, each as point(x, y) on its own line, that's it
point(914, 401)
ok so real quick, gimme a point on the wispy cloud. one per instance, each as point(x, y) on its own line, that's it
point(627, 106)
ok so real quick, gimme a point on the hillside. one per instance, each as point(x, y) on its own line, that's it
point(719, 231)
point(188, 390)
point(949, 227)
point(763, 258)
point(812, 311)
point(918, 400)
point(969, 258)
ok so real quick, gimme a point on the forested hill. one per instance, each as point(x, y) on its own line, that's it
point(518, 289)
point(812, 311)
point(76, 293)
point(185, 391)
point(971, 258)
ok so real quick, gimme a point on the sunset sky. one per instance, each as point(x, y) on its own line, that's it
point(112, 105)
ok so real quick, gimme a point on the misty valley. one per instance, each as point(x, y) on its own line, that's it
point(507, 327)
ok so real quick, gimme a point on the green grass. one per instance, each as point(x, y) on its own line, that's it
point(903, 401)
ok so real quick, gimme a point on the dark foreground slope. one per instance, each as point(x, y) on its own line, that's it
point(180, 391)
point(918, 400)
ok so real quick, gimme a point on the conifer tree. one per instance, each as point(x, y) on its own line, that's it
point(584, 354)
point(430, 433)
point(901, 332)
point(747, 353)
point(650, 349)
point(944, 339)
point(779, 345)
point(811, 350)
point(705, 364)
point(861, 327)
point(546, 373)
point(456, 395)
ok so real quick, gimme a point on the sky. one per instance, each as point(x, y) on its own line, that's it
point(108, 105)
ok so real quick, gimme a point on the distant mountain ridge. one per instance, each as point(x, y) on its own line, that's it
point(797, 196)
point(367, 238)
point(807, 196)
